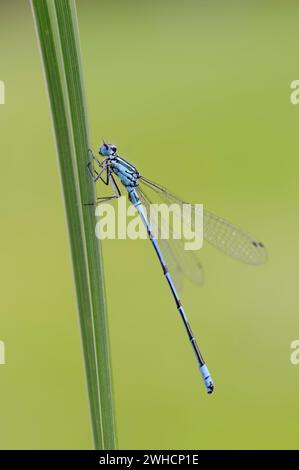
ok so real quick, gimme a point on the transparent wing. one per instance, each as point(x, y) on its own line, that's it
point(179, 262)
point(225, 236)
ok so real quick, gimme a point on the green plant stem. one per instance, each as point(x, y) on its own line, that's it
point(57, 29)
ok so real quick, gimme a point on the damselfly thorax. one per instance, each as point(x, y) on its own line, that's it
point(127, 173)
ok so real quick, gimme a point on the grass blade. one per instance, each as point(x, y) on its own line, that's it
point(57, 31)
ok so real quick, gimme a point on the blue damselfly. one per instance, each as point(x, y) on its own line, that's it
point(174, 261)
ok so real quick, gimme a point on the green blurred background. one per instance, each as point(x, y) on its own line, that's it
point(196, 95)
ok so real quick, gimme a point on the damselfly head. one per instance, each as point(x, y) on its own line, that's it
point(107, 150)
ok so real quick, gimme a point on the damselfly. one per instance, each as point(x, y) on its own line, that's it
point(174, 261)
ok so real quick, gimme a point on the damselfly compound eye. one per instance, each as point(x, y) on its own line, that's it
point(104, 150)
